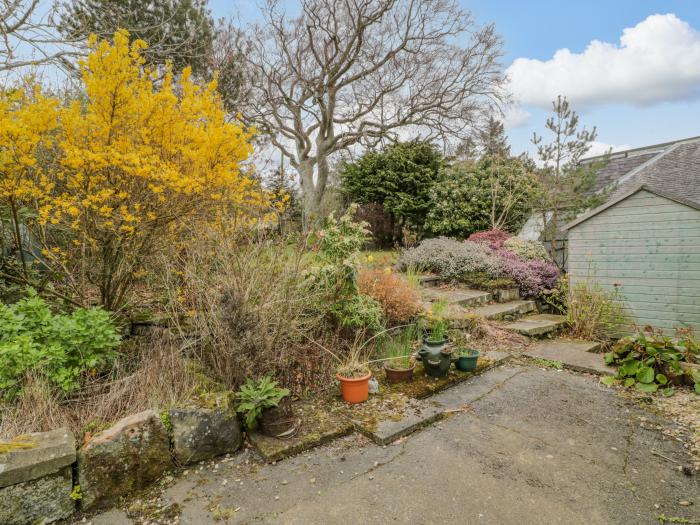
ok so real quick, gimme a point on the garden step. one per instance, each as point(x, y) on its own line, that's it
point(506, 311)
point(571, 353)
point(458, 296)
point(537, 325)
point(430, 280)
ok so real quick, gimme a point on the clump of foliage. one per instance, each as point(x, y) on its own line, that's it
point(257, 396)
point(448, 258)
point(591, 311)
point(334, 273)
point(649, 360)
point(63, 348)
point(472, 262)
point(400, 302)
point(527, 250)
point(437, 324)
point(397, 350)
point(398, 179)
point(476, 196)
point(494, 238)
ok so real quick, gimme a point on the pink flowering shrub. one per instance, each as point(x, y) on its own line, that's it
point(493, 238)
point(532, 277)
point(461, 261)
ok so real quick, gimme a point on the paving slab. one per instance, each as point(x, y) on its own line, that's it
point(423, 386)
point(536, 325)
point(509, 310)
point(385, 419)
point(321, 423)
point(459, 296)
point(460, 396)
point(574, 354)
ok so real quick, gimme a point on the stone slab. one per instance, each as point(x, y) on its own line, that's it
point(43, 500)
point(500, 311)
point(321, 423)
point(459, 296)
point(385, 419)
point(574, 354)
point(423, 386)
point(124, 458)
point(36, 455)
point(536, 325)
point(200, 433)
point(474, 388)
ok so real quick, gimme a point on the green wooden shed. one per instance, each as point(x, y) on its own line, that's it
point(645, 242)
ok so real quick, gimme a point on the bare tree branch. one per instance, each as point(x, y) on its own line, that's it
point(355, 72)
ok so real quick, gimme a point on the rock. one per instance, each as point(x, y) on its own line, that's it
point(42, 500)
point(200, 434)
point(124, 458)
point(35, 455)
point(36, 477)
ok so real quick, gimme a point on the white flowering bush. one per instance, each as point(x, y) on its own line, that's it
point(527, 250)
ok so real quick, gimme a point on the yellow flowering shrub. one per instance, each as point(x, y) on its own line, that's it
point(28, 121)
point(140, 158)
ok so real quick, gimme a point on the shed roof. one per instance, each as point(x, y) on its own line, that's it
point(620, 197)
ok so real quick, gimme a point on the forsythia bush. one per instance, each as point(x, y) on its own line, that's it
point(133, 163)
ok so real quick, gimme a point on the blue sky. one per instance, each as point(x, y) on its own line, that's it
point(657, 97)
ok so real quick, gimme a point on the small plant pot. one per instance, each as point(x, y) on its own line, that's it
point(434, 347)
point(280, 421)
point(399, 375)
point(437, 365)
point(354, 389)
point(467, 363)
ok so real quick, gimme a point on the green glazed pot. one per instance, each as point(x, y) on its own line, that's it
point(467, 363)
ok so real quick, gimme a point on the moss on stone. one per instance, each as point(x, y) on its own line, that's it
point(23, 442)
point(321, 422)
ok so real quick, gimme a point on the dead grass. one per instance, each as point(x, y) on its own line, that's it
point(160, 378)
point(244, 304)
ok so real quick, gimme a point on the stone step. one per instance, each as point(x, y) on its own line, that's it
point(506, 311)
point(537, 325)
point(456, 296)
point(430, 280)
point(571, 353)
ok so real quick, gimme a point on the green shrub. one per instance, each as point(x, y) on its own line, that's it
point(63, 348)
point(593, 312)
point(648, 360)
point(334, 274)
point(527, 250)
point(257, 396)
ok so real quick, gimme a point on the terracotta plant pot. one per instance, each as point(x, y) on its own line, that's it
point(399, 375)
point(354, 389)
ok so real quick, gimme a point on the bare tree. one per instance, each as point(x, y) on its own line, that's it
point(349, 72)
point(28, 37)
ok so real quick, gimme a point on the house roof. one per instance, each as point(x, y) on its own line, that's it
point(672, 167)
point(612, 202)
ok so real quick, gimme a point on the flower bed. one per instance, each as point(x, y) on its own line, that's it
point(484, 258)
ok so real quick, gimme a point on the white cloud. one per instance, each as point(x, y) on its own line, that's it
point(515, 117)
point(656, 60)
point(600, 148)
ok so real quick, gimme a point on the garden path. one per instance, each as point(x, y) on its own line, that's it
point(532, 446)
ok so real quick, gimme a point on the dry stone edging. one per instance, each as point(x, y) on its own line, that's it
point(201, 433)
point(122, 459)
point(36, 483)
point(41, 480)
